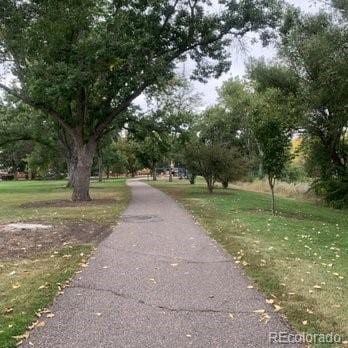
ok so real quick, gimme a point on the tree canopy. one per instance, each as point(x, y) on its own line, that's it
point(82, 63)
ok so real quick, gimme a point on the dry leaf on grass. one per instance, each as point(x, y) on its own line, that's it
point(8, 310)
point(277, 308)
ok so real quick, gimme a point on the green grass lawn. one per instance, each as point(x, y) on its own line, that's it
point(298, 258)
point(28, 284)
point(13, 195)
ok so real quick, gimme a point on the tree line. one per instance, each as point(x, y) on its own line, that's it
point(74, 89)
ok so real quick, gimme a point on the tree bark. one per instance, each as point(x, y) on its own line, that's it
point(225, 184)
point(210, 184)
point(71, 166)
point(171, 172)
point(100, 168)
point(154, 176)
point(82, 173)
point(271, 182)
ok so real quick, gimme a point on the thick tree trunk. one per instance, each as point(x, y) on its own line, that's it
point(108, 172)
point(154, 176)
point(100, 169)
point(82, 174)
point(71, 166)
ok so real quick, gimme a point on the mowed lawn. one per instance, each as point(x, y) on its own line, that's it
point(29, 282)
point(298, 258)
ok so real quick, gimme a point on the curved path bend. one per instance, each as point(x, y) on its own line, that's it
point(158, 281)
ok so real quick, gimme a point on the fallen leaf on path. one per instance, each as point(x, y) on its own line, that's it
point(317, 287)
point(41, 324)
point(50, 315)
point(270, 301)
point(304, 322)
point(16, 286)
point(250, 287)
point(264, 318)
point(174, 264)
point(259, 311)
point(231, 315)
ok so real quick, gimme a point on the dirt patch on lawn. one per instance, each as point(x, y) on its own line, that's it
point(63, 203)
point(26, 241)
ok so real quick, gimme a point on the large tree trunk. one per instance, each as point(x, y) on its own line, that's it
point(154, 176)
point(100, 168)
point(71, 163)
point(82, 174)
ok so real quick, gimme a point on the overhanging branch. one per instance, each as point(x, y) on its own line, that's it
point(39, 106)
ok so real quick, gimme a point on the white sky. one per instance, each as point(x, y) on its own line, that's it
point(208, 90)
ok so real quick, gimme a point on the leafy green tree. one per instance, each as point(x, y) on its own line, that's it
point(82, 63)
point(153, 150)
point(13, 157)
point(313, 47)
point(214, 162)
point(273, 135)
point(229, 122)
point(128, 148)
point(114, 160)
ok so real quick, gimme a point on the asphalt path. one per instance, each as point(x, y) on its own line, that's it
point(159, 281)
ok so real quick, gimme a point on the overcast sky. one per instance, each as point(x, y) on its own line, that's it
point(208, 90)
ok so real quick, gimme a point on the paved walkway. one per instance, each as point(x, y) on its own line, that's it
point(158, 281)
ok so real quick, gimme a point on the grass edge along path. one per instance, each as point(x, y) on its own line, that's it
point(281, 254)
point(29, 284)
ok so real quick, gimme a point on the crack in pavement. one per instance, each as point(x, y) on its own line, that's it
point(175, 258)
point(164, 307)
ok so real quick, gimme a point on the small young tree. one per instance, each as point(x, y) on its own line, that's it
point(273, 136)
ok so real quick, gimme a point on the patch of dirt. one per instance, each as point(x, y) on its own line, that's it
point(62, 203)
point(25, 242)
